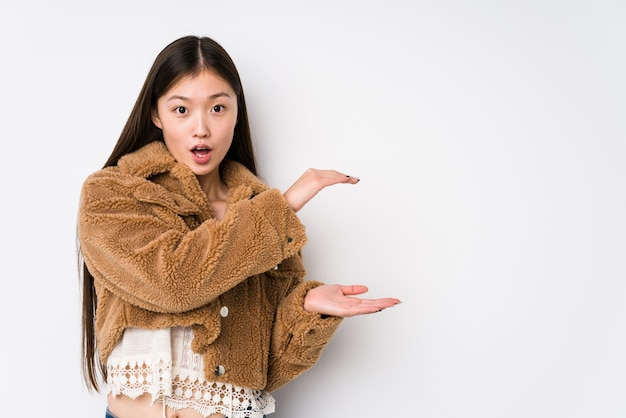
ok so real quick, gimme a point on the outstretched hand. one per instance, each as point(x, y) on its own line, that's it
point(310, 183)
point(338, 300)
point(331, 299)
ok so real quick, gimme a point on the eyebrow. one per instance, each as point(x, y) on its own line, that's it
point(211, 97)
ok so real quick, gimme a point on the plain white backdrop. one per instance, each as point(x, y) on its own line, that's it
point(489, 137)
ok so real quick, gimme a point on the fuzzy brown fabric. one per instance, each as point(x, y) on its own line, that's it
point(160, 259)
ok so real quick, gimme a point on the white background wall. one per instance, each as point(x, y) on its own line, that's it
point(489, 139)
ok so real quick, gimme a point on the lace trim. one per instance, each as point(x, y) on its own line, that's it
point(179, 381)
point(133, 379)
point(209, 398)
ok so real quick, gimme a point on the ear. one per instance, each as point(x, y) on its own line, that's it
point(156, 120)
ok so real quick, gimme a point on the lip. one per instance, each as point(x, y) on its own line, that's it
point(201, 153)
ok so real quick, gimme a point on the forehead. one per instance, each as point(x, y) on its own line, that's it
point(203, 82)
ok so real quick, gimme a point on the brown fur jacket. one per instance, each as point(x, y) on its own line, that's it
point(160, 259)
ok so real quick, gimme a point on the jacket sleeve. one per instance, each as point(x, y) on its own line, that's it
point(142, 250)
point(298, 337)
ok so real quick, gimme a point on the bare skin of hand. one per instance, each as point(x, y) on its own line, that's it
point(338, 300)
point(310, 183)
point(331, 299)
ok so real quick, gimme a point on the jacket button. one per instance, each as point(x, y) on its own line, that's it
point(219, 370)
point(224, 311)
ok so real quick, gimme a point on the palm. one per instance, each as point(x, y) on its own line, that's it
point(339, 300)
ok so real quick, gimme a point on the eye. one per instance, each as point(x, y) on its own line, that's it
point(181, 110)
point(217, 108)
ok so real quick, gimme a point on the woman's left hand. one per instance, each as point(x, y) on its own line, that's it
point(311, 182)
point(338, 300)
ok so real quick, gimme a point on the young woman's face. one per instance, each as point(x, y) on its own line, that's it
point(198, 116)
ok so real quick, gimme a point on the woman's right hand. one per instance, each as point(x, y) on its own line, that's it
point(339, 300)
point(311, 182)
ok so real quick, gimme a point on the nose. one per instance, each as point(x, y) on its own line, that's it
point(201, 126)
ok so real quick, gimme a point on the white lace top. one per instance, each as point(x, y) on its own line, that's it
point(161, 363)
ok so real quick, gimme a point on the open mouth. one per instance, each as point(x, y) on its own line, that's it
point(201, 154)
point(201, 151)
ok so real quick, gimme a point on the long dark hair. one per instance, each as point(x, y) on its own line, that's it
point(186, 56)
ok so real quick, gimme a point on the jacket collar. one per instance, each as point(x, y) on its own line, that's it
point(154, 158)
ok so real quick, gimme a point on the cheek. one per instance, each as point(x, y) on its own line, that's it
point(227, 130)
point(173, 137)
point(173, 127)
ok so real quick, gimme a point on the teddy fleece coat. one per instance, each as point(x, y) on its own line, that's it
point(160, 259)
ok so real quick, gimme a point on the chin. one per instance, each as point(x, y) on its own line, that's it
point(203, 171)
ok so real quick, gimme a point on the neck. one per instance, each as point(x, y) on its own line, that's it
point(213, 187)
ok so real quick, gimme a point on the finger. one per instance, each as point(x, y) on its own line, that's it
point(381, 303)
point(338, 179)
point(369, 306)
point(352, 180)
point(344, 178)
point(355, 289)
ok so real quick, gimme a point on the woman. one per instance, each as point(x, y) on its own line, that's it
point(194, 299)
